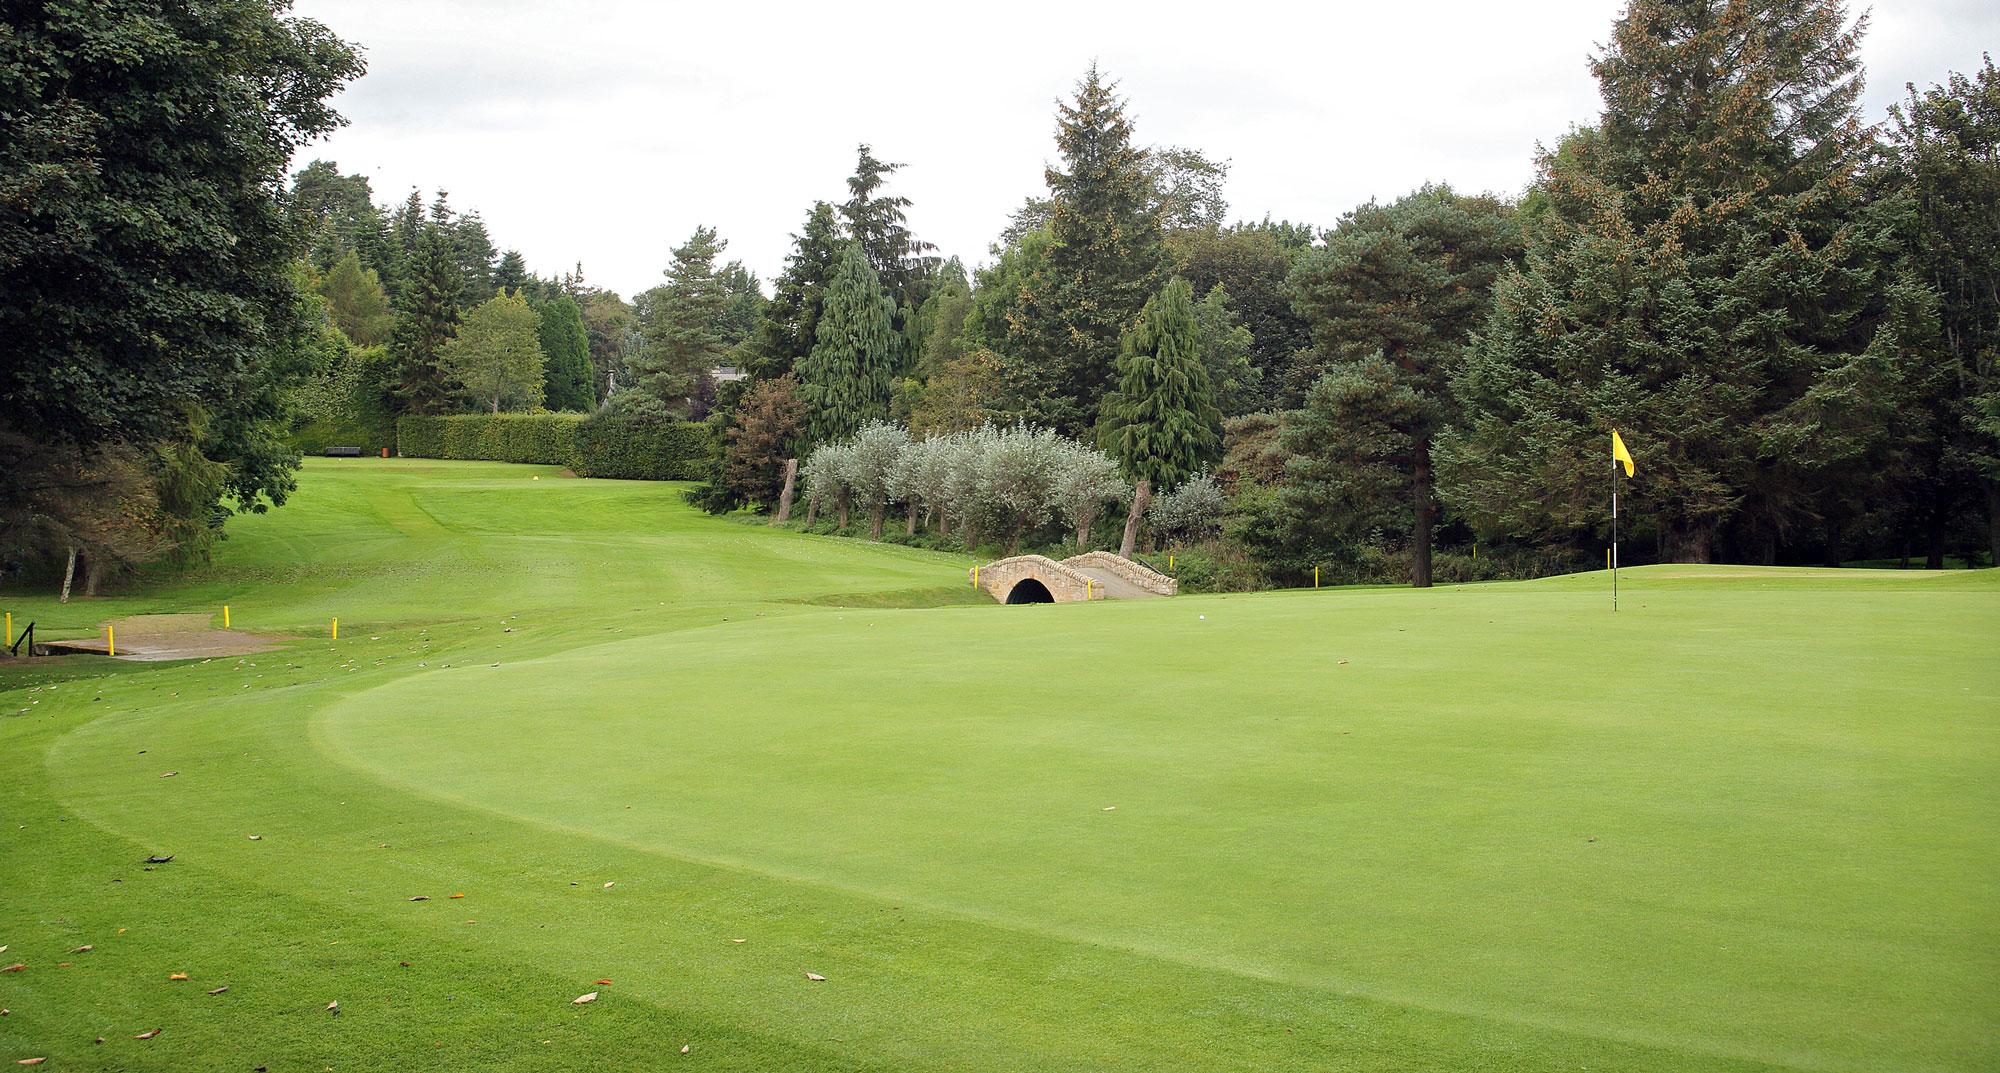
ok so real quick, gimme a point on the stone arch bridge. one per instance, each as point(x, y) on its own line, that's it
point(1094, 575)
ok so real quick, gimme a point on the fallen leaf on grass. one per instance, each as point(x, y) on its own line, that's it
point(684, 1048)
point(606, 982)
point(256, 838)
point(157, 859)
point(30, 1061)
point(333, 1007)
point(815, 977)
point(607, 886)
point(739, 940)
point(177, 976)
point(15, 967)
point(147, 1035)
point(218, 990)
point(421, 898)
point(84, 949)
point(458, 895)
point(168, 774)
point(581, 999)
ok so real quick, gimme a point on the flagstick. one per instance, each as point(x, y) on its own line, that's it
point(1614, 534)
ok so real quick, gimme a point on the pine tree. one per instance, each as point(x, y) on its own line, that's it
point(1692, 273)
point(566, 371)
point(789, 323)
point(1398, 289)
point(496, 357)
point(430, 314)
point(1161, 423)
point(844, 380)
point(1105, 261)
point(680, 343)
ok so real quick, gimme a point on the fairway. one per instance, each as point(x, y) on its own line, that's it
point(1747, 823)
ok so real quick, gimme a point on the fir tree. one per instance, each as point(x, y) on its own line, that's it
point(844, 380)
point(1692, 274)
point(566, 371)
point(1104, 262)
point(430, 314)
point(512, 273)
point(878, 223)
point(789, 323)
point(476, 257)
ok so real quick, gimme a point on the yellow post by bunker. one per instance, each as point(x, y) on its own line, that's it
point(110, 641)
point(225, 616)
point(10, 629)
point(336, 629)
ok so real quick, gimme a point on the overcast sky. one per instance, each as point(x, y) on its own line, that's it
point(606, 133)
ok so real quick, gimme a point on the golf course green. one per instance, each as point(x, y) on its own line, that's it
point(1746, 823)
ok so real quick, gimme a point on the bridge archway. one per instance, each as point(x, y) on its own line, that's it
point(1093, 575)
point(1030, 591)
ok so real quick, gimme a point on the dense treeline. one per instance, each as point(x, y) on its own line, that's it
point(1791, 312)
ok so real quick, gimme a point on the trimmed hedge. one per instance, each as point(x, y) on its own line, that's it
point(643, 450)
point(545, 439)
point(592, 446)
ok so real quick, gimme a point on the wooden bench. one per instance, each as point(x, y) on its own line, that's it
point(343, 452)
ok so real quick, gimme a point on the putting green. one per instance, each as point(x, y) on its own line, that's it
point(1744, 824)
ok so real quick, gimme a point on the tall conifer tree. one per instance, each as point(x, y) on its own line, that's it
point(1161, 424)
point(1105, 260)
point(1692, 275)
point(430, 315)
point(566, 370)
point(844, 380)
point(680, 341)
point(789, 323)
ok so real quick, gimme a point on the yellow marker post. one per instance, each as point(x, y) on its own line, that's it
point(1315, 577)
point(336, 629)
point(1087, 590)
point(225, 616)
point(975, 577)
point(1607, 558)
point(10, 629)
point(110, 641)
point(1170, 564)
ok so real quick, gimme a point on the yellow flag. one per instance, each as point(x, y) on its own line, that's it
point(1619, 453)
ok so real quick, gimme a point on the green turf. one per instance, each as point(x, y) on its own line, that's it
point(1746, 824)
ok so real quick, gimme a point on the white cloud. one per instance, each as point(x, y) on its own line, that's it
point(606, 133)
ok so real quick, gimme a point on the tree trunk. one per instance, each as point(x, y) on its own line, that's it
point(496, 404)
point(1142, 494)
point(1993, 522)
point(812, 509)
point(1083, 537)
point(785, 497)
point(1014, 540)
point(1934, 535)
point(875, 520)
point(93, 574)
point(1694, 544)
point(69, 572)
point(910, 520)
point(1426, 504)
point(944, 521)
point(840, 504)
